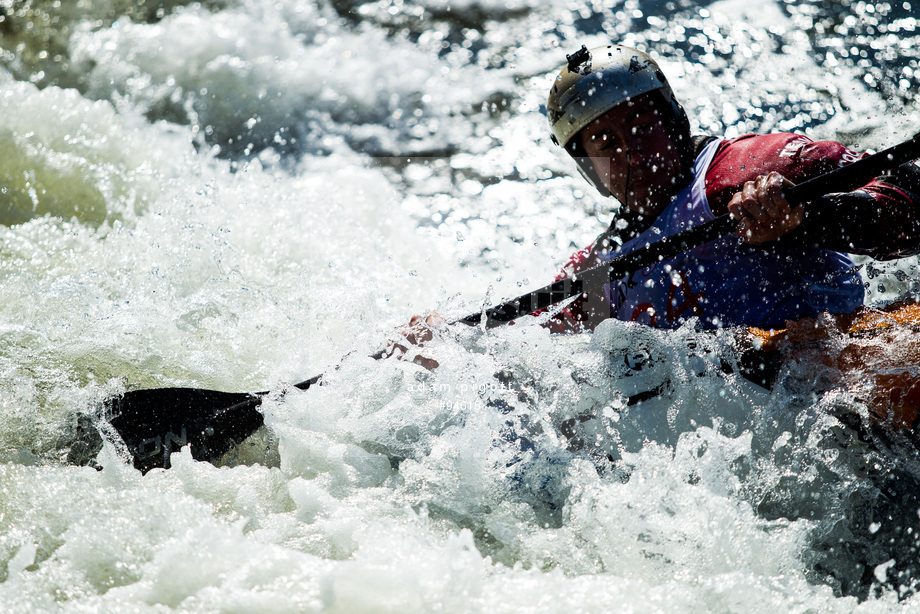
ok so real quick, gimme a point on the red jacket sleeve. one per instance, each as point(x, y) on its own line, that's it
point(747, 157)
point(880, 218)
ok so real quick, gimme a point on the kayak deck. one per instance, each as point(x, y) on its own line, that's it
point(873, 352)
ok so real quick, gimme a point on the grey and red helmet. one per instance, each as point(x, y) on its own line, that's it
point(597, 80)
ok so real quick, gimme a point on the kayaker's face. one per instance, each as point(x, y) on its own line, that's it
point(634, 155)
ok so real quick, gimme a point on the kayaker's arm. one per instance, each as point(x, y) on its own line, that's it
point(880, 220)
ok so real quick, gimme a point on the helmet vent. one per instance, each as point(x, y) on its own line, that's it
point(635, 64)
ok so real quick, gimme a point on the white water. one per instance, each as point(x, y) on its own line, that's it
point(197, 205)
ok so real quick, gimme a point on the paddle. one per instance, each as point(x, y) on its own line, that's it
point(156, 422)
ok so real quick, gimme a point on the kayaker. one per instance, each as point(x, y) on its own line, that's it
point(613, 111)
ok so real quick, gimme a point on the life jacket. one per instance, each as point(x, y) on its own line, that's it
point(727, 282)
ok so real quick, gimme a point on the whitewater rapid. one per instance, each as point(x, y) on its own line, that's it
point(242, 194)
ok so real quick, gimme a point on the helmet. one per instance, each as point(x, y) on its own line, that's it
point(595, 81)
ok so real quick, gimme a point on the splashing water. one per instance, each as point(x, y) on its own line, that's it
point(239, 194)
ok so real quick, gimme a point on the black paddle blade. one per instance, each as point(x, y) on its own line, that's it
point(157, 422)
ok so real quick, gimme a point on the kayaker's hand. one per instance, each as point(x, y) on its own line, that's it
point(419, 331)
point(763, 211)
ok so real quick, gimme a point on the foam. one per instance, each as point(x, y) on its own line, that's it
point(518, 476)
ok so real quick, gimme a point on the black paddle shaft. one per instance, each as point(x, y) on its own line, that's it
point(669, 247)
point(156, 422)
